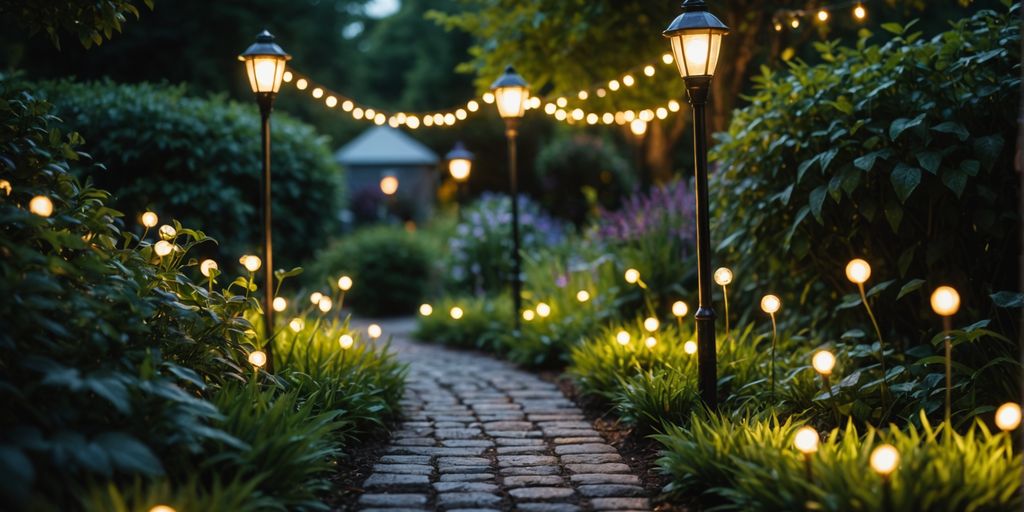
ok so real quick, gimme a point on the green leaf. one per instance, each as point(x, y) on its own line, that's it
point(867, 162)
point(1011, 300)
point(880, 287)
point(129, 454)
point(988, 149)
point(954, 128)
point(894, 214)
point(929, 160)
point(955, 179)
point(817, 200)
point(911, 285)
point(905, 179)
point(902, 124)
point(802, 169)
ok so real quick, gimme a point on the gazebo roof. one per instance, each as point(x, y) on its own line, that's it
point(383, 145)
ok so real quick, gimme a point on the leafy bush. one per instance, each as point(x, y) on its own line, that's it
point(900, 153)
point(580, 173)
point(391, 268)
point(751, 464)
point(481, 247)
point(199, 160)
point(483, 323)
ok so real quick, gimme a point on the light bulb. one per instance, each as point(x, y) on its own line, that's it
point(331, 102)
point(280, 304)
point(301, 84)
point(651, 324)
point(885, 459)
point(649, 70)
point(613, 85)
point(622, 337)
point(823, 362)
point(345, 283)
point(473, 106)
point(149, 219)
point(389, 185)
point(5, 187)
point(543, 309)
point(650, 342)
point(945, 301)
point(163, 248)
point(632, 276)
point(1008, 416)
point(315, 297)
point(628, 81)
point(374, 331)
point(679, 308)
point(690, 347)
point(806, 440)
point(860, 12)
point(858, 271)
point(795, 23)
point(583, 95)
point(488, 97)
point(162, 508)
point(318, 93)
point(257, 358)
point(325, 304)
point(252, 263)
point(638, 127)
point(667, 58)
point(207, 267)
point(529, 315)
point(770, 304)
point(723, 276)
point(823, 15)
point(41, 206)
point(167, 232)
point(297, 324)
point(426, 309)
point(582, 295)
point(346, 341)
point(456, 312)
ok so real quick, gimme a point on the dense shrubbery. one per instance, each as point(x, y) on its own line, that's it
point(393, 269)
point(198, 160)
point(127, 382)
point(579, 174)
point(900, 153)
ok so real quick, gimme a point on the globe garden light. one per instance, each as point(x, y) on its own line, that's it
point(822, 15)
point(529, 315)
point(460, 162)
point(511, 93)
point(280, 304)
point(543, 309)
point(679, 309)
point(456, 312)
point(1008, 416)
point(374, 331)
point(651, 324)
point(638, 127)
point(426, 309)
point(860, 12)
point(823, 363)
point(858, 272)
point(315, 297)
point(325, 304)
point(251, 263)
point(723, 277)
point(162, 508)
point(690, 347)
point(208, 267)
point(770, 304)
point(582, 295)
point(946, 302)
point(346, 341)
point(806, 440)
point(650, 342)
point(389, 185)
point(167, 232)
point(257, 358)
point(622, 337)
point(632, 276)
point(41, 206)
point(297, 324)
point(149, 219)
point(345, 283)
point(163, 248)
point(885, 459)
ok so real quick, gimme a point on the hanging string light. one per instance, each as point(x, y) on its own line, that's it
point(793, 17)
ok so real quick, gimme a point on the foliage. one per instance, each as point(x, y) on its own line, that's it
point(750, 463)
point(580, 173)
point(391, 268)
point(878, 153)
point(484, 322)
point(126, 380)
point(481, 247)
point(199, 160)
point(92, 21)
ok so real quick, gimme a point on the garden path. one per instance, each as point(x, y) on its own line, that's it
point(480, 434)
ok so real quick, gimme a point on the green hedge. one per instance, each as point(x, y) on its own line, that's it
point(199, 160)
point(900, 153)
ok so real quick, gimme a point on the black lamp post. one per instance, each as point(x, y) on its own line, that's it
point(264, 63)
point(460, 163)
point(511, 93)
point(696, 37)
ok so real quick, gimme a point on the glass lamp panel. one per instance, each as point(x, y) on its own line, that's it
point(459, 168)
point(511, 101)
point(696, 53)
point(265, 73)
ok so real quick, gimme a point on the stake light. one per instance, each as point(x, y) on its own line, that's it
point(823, 362)
point(280, 304)
point(426, 309)
point(258, 358)
point(346, 341)
point(679, 308)
point(858, 271)
point(806, 440)
point(149, 219)
point(651, 324)
point(945, 301)
point(885, 459)
point(582, 295)
point(770, 304)
point(622, 337)
point(690, 347)
point(1008, 416)
point(41, 206)
point(207, 267)
point(345, 283)
point(723, 276)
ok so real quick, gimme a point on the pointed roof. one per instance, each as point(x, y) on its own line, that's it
point(384, 145)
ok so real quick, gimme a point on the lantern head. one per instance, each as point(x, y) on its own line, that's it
point(511, 94)
point(696, 37)
point(264, 63)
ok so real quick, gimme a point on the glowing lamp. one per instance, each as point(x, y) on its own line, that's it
point(806, 440)
point(346, 341)
point(280, 304)
point(622, 337)
point(823, 362)
point(257, 358)
point(529, 315)
point(885, 459)
point(163, 248)
point(426, 309)
point(315, 297)
point(297, 324)
point(823, 15)
point(860, 12)
point(632, 276)
point(41, 206)
point(696, 37)
point(511, 93)
point(374, 331)
point(325, 304)
point(265, 63)
point(651, 324)
point(638, 127)
point(679, 308)
point(723, 276)
point(389, 185)
point(162, 508)
point(456, 312)
point(345, 283)
point(858, 271)
point(690, 347)
point(543, 309)
point(1008, 416)
point(945, 301)
point(650, 342)
point(460, 162)
point(770, 304)
point(149, 219)
point(582, 295)
point(207, 267)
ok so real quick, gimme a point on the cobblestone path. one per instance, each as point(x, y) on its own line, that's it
point(482, 435)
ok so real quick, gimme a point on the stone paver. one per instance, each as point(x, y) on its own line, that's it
point(481, 435)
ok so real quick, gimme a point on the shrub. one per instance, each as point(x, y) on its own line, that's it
point(391, 268)
point(482, 325)
point(899, 153)
point(580, 173)
point(199, 160)
point(481, 247)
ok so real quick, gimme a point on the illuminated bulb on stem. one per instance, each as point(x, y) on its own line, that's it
point(345, 283)
point(149, 219)
point(426, 309)
point(297, 324)
point(823, 362)
point(374, 331)
point(770, 304)
point(632, 276)
point(543, 310)
point(679, 308)
point(806, 440)
point(723, 276)
point(690, 347)
point(167, 232)
point(885, 459)
point(622, 337)
point(1008, 416)
point(207, 267)
point(823, 15)
point(162, 248)
point(858, 271)
point(456, 312)
point(257, 358)
point(667, 58)
point(649, 70)
point(860, 12)
point(346, 341)
point(280, 304)
point(251, 263)
point(315, 297)
point(325, 304)
point(650, 342)
point(651, 324)
point(529, 315)
point(945, 301)
point(582, 295)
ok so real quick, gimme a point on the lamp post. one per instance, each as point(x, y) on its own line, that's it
point(696, 37)
point(460, 163)
point(511, 93)
point(264, 63)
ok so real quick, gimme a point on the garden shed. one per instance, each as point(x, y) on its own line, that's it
point(382, 152)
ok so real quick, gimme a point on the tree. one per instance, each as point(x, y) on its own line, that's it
point(93, 21)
